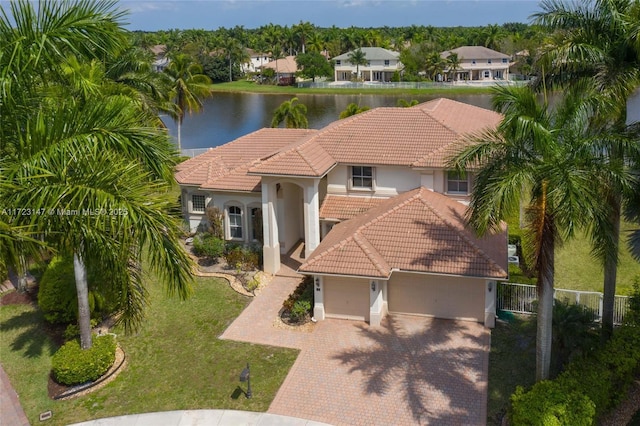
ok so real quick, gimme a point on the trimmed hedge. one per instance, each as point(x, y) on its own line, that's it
point(587, 389)
point(71, 365)
point(208, 245)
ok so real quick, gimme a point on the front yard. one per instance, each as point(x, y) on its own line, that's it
point(175, 362)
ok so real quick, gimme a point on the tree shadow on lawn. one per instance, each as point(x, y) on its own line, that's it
point(430, 358)
point(30, 336)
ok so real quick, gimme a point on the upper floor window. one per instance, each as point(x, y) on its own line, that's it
point(198, 203)
point(386, 62)
point(338, 61)
point(362, 177)
point(457, 183)
point(235, 222)
point(473, 61)
point(488, 61)
point(505, 60)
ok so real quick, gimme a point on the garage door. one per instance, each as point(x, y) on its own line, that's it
point(346, 298)
point(441, 297)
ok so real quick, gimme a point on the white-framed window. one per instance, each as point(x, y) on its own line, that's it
point(457, 183)
point(505, 60)
point(234, 213)
point(487, 74)
point(473, 61)
point(386, 62)
point(338, 62)
point(488, 61)
point(198, 203)
point(362, 177)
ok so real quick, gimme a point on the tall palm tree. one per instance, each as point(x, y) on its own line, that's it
point(96, 164)
point(357, 58)
point(303, 31)
point(453, 65)
point(536, 155)
point(292, 113)
point(598, 43)
point(189, 86)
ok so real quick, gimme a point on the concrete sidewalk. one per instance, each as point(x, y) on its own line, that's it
point(202, 417)
point(11, 412)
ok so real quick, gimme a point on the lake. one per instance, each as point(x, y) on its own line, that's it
point(228, 116)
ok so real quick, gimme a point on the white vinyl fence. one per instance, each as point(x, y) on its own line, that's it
point(521, 298)
point(193, 152)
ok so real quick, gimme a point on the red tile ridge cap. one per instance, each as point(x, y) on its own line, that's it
point(454, 228)
point(374, 256)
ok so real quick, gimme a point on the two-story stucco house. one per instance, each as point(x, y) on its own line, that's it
point(381, 65)
point(380, 216)
point(256, 60)
point(478, 63)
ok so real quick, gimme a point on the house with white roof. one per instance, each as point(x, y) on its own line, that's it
point(380, 216)
point(381, 65)
point(478, 63)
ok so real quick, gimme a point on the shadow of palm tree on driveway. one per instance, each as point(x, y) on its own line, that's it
point(437, 365)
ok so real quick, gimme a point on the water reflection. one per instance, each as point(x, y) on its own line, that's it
point(228, 116)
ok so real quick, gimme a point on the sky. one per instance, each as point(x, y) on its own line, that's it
point(156, 15)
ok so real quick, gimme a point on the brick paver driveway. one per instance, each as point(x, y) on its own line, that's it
point(409, 371)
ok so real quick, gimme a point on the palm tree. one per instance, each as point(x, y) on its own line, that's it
point(303, 31)
point(292, 113)
point(96, 164)
point(234, 52)
point(189, 86)
point(597, 43)
point(357, 58)
point(353, 109)
point(403, 103)
point(536, 155)
point(453, 65)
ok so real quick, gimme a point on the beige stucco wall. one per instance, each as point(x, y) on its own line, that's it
point(438, 296)
point(389, 181)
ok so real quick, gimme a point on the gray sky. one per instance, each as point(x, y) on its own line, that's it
point(211, 14)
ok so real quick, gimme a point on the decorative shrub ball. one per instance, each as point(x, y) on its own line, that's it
point(71, 365)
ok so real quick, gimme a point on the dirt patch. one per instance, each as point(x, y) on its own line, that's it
point(17, 298)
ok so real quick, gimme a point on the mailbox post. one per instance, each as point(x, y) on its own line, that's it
point(245, 376)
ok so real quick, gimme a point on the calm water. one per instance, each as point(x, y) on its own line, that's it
point(227, 116)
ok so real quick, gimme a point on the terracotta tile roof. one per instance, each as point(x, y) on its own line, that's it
point(418, 231)
point(341, 207)
point(474, 52)
point(225, 167)
point(421, 136)
point(286, 65)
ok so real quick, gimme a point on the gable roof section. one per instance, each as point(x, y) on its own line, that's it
point(287, 65)
point(225, 167)
point(372, 54)
point(384, 239)
point(421, 136)
point(474, 52)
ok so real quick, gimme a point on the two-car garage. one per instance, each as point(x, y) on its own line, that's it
point(407, 293)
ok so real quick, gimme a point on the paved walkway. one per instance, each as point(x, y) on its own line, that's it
point(11, 412)
point(410, 370)
point(202, 417)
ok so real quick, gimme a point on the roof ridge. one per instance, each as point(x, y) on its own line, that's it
point(371, 253)
point(306, 159)
point(387, 212)
point(466, 239)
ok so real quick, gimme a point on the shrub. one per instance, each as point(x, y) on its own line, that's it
point(632, 316)
point(216, 227)
point(300, 309)
point(208, 245)
point(72, 365)
point(252, 285)
point(57, 297)
point(599, 380)
point(73, 331)
point(243, 258)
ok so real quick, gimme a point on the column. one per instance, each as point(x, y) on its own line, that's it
point(490, 289)
point(375, 303)
point(271, 247)
point(311, 217)
point(318, 298)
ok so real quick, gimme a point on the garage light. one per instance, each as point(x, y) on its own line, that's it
point(373, 286)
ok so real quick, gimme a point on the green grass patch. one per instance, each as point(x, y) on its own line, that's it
point(512, 362)
point(252, 87)
point(175, 362)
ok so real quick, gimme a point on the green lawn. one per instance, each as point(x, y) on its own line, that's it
point(576, 269)
point(176, 361)
point(249, 86)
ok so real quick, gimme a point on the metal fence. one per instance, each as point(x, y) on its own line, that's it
point(521, 298)
point(193, 152)
point(402, 85)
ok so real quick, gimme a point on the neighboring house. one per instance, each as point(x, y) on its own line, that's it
point(380, 216)
point(381, 66)
point(479, 63)
point(256, 60)
point(285, 69)
point(160, 61)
